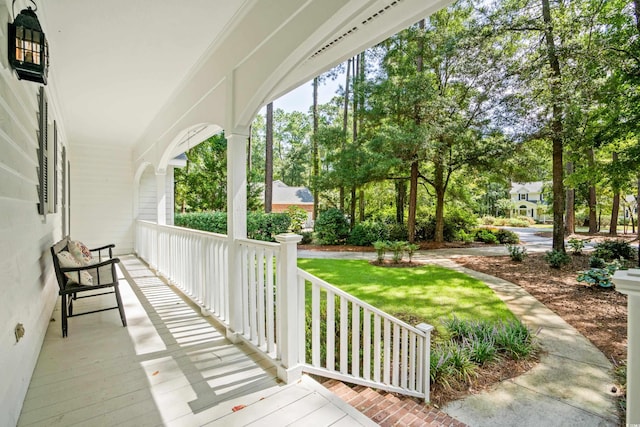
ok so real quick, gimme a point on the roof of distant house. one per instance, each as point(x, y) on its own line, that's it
point(526, 187)
point(286, 195)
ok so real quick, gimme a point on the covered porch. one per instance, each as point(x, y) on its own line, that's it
point(171, 366)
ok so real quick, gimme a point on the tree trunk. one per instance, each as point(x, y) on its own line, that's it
point(556, 131)
point(413, 198)
point(413, 181)
point(361, 218)
point(593, 225)
point(440, 189)
point(570, 215)
point(316, 163)
point(345, 119)
point(352, 211)
point(615, 211)
point(249, 143)
point(268, 156)
point(401, 195)
point(615, 207)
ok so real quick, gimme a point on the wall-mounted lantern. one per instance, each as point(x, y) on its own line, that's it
point(28, 48)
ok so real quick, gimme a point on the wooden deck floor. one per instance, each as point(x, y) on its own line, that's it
point(169, 367)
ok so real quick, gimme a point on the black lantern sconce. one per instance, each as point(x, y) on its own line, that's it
point(28, 48)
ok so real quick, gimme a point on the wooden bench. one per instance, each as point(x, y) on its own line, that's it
point(103, 275)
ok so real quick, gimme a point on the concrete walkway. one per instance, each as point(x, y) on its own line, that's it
point(571, 386)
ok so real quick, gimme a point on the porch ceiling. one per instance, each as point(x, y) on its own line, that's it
point(115, 63)
point(140, 73)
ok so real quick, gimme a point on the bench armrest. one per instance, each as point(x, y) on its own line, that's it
point(90, 266)
point(100, 277)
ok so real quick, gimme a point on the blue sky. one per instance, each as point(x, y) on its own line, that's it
point(301, 99)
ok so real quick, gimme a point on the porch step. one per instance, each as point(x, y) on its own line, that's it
point(389, 409)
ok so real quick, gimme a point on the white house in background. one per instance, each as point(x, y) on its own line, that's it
point(528, 200)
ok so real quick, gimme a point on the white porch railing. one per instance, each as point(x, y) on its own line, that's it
point(355, 342)
point(258, 280)
point(195, 261)
point(349, 339)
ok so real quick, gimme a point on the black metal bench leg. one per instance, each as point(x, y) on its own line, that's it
point(63, 307)
point(120, 306)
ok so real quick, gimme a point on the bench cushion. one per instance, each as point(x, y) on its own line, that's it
point(80, 252)
point(69, 261)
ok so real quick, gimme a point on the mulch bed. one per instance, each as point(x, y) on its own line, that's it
point(599, 314)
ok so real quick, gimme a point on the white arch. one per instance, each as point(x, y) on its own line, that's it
point(186, 139)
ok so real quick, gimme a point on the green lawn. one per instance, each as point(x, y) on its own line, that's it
point(421, 294)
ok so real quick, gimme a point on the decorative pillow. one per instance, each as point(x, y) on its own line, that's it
point(80, 252)
point(69, 261)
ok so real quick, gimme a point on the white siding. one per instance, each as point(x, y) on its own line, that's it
point(102, 195)
point(28, 289)
point(170, 199)
point(147, 206)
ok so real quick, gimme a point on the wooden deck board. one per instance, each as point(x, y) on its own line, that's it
point(169, 367)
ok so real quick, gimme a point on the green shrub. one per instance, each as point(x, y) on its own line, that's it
point(486, 236)
point(260, 226)
point(265, 226)
point(397, 231)
point(455, 221)
point(307, 237)
point(298, 217)
point(367, 232)
point(499, 222)
point(517, 253)
point(507, 236)
point(576, 245)
point(596, 262)
point(213, 222)
point(331, 227)
point(487, 220)
point(614, 249)
point(556, 259)
point(527, 219)
point(515, 222)
point(465, 237)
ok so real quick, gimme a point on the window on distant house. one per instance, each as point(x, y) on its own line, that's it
point(523, 196)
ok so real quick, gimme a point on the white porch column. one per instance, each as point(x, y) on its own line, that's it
point(161, 196)
point(628, 282)
point(236, 222)
point(290, 308)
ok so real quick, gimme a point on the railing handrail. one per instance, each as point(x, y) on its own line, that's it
point(250, 242)
point(310, 277)
point(178, 228)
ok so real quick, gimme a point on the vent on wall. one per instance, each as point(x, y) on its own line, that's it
point(347, 33)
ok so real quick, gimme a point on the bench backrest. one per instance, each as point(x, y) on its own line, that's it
point(62, 245)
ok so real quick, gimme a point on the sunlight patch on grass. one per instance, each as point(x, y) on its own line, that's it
point(424, 294)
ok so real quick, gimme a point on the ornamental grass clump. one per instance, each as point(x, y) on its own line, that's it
point(473, 344)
